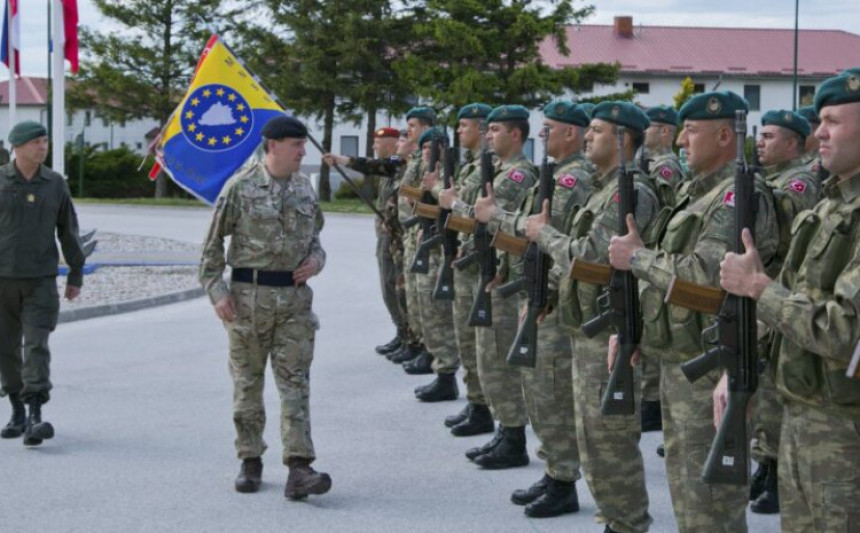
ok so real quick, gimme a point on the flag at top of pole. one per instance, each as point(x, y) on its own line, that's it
point(11, 36)
point(70, 30)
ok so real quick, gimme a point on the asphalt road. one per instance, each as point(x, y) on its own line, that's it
point(142, 408)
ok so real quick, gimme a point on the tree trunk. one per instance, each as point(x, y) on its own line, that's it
point(367, 186)
point(328, 126)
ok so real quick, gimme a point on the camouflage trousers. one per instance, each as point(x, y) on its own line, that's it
point(819, 482)
point(464, 293)
point(437, 320)
point(396, 248)
point(502, 383)
point(650, 378)
point(766, 417)
point(28, 312)
point(548, 390)
point(608, 445)
point(413, 298)
point(688, 430)
point(272, 323)
point(388, 280)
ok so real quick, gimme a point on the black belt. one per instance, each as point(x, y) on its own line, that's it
point(269, 278)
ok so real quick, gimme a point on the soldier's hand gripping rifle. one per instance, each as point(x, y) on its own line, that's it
point(734, 339)
point(619, 303)
point(421, 262)
point(481, 313)
point(523, 351)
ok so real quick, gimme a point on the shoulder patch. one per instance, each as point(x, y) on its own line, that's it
point(665, 172)
point(567, 181)
point(616, 198)
point(797, 186)
point(517, 175)
point(729, 199)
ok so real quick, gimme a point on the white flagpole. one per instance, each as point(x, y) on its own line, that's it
point(13, 93)
point(58, 140)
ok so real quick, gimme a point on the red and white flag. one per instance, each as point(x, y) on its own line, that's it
point(70, 30)
point(11, 47)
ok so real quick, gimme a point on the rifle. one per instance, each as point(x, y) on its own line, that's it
point(481, 313)
point(619, 304)
point(734, 338)
point(535, 277)
point(421, 262)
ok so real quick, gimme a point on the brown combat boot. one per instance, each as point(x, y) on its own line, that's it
point(304, 480)
point(250, 475)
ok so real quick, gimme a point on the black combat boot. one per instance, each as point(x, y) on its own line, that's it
point(479, 420)
point(560, 498)
point(36, 431)
point(609, 529)
point(488, 446)
point(768, 500)
point(509, 453)
point(526, 496)
point(423, 364)
point(661, 450)
point(758, 479)
point(652, 418)
point(390, 346)
point(453, 420)
point(15, 427)
point(250, 475)
point(304, 480)
point(405, 353)
point(442, 389)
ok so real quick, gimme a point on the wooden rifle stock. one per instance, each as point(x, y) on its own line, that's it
point(411, 192)
point(510, 244)
point(700, 298)
point(596, 273)
point(426, 210)
point(461, 224)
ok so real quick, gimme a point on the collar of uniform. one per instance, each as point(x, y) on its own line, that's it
point(779, 168)
point(471, 155)
point(15, 174)
point(702, 183)
point(848, 189)
point(604, 179)
point(659, 152)
point(514, 160)
point(269, 181)
point(576, 156)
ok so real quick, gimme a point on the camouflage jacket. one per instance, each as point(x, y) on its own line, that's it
point(384, 170)
point(698, 235)
point(666, 176)
point(273, 225)
point(814, 305)
point(795, 189)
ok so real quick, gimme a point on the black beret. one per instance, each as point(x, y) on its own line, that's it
point(842, 89)
point(663, 114)
point(712, 106)
point(622, 113)
point(26, 131)
point(787, 119)
point(284, 126)
point(567, 112)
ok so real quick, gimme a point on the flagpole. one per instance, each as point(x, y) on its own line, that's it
point(48, 104)
point(58, 140)
point(13, 89)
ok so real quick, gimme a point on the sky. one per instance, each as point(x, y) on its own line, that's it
point(814, 14)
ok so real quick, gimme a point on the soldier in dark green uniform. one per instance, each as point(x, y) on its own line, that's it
point(814, 306)
point(35, 207)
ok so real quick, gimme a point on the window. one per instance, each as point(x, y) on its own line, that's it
point(88, 118)
point(68, 119)
point(642, 88)
point(698, 88)
point(349, 145)
point(805, 95)
point(104, 122)
point(752, 94)
point(529, 149)
point(139, 146)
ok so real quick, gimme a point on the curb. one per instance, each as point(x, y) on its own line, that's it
point(95, 311)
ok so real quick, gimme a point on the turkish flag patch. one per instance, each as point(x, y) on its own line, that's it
point(567, 181)
point(616, 198)
point(665, 173)
point(797, 186)
point(729, 198)
point(517, 175)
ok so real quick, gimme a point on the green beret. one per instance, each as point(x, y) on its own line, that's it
point(567, 112)
point(508, 112)
point(431, 134)
point(787, 119)
point(622, 113)
point(588, 107)
point(842, 89)
point(475, 111)
point(282, 127)
point(712, 106)
point(663, 114)
point(25, 132)
point(424, 113)
point(809, 114)
point(849, 71)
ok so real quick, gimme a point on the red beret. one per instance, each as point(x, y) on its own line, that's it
point(387, 132)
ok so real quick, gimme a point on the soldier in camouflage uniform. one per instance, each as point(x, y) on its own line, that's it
point(508, 129)
point(270, 212)
point(383, 170)
point(780, 149)
point(814, 306)
point(696, 238)
point(666, 175)
point(475, 418)
point(810, 156)
point(609, 445)
point(4, 154)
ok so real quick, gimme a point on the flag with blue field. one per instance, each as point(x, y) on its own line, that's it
point(217, 126)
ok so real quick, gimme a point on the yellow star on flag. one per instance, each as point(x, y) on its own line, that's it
point(232, 97)
point(192, 127)
point(240, 131)
point(226, 140)
point(195, 101)
point(207, 93)
point(213, 141)
point(199, 137)
point(243, 119)
point(240, 107)
point(189, 115)
point(220, 92)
